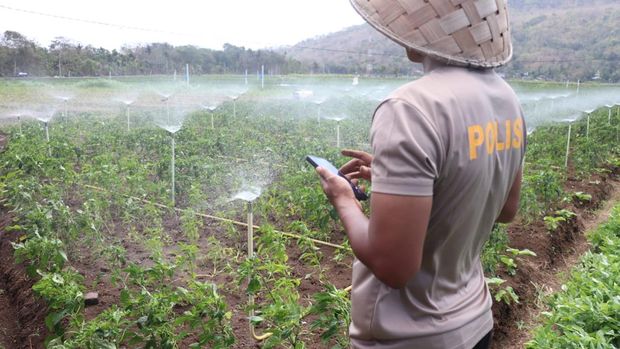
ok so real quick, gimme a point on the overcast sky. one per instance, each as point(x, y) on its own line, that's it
point(207, 23)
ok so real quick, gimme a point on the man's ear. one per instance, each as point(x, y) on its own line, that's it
point(414, 56)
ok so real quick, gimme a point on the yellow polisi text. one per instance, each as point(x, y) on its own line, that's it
point(486, 139)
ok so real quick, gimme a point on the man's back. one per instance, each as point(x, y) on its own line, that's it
point(456, 135)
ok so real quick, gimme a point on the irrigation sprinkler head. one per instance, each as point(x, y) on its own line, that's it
point(561, 95)
point(19, 114)
point(209, 107)
point(165, 95)
point(171, 121)
point(570, 119)
point(530, 130)
point(303, 94)
point(172, 129)
point(65, 97)
point(589, 111)
point(336, 118)
point(45, 115)
point(249, 194)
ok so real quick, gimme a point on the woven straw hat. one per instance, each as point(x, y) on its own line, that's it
point(472, 33)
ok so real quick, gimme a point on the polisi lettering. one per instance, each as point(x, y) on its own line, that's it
point(488, 139)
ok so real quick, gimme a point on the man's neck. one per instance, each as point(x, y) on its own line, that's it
point(430, 64)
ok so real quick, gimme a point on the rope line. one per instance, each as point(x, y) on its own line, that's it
point(226, 220)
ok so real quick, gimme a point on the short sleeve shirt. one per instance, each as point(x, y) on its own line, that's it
point(457, 135)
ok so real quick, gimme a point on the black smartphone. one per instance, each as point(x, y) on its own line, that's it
point(320, 162)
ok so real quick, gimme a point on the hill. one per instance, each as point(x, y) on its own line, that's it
point(558, 40)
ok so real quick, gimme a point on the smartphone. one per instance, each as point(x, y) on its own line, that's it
point(320, 162)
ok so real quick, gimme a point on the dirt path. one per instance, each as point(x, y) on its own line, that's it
point(556, 276)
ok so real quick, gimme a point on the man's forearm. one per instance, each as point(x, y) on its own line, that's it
point(355, 224)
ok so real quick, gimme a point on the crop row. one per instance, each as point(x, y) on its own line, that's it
point(584, 314)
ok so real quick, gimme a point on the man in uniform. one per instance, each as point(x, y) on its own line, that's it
point(446, 166)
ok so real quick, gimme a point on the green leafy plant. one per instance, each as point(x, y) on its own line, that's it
point(582, 197)
point(553, 222)
point(506, 294)
point(333, 309)
point(41, 253)
point(208, 312)
point(509, 261)
point(63, 292)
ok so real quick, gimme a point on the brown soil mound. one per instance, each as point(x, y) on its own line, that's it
point(556, 252)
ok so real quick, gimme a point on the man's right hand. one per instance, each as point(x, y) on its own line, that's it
point(359, 166)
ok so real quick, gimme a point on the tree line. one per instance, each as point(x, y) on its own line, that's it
point(65, 58)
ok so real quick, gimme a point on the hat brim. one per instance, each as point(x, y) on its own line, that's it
point(451, 59)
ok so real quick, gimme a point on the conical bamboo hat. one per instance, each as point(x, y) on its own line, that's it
point(472, 33)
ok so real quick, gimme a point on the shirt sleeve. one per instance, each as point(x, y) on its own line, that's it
point(407, 150)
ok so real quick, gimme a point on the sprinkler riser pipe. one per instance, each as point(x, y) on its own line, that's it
point(127, 114)
point(251, 253)
point(212, 124)
point(250, 229)
point(567, 146)
point(47, 132)
point(588, 127)
point(187, 74)
point(338, 135)
point(172, 170)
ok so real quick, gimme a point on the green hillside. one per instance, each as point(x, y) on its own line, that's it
point(554, 39)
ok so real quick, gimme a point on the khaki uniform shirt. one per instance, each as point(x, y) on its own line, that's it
point(457, 135)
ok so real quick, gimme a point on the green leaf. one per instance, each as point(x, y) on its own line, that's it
point(253, 286)
point(125, 298)
point(53, 318)
point(255, 320)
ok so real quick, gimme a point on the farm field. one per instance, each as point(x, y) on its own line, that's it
point(153, 193)
point(585, 313)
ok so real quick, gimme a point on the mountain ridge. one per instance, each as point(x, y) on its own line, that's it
point(581, 41)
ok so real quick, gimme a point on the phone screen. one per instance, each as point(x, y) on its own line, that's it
point(320, 162)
